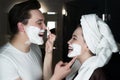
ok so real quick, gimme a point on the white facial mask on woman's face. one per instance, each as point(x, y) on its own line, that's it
point(33, 35)
point(76, 50)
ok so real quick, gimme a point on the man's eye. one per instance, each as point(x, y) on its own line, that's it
point(39, 23)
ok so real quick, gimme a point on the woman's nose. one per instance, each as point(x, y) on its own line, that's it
point(69, 41)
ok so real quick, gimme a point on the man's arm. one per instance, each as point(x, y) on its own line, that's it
point(19, 78)
point(7, 69)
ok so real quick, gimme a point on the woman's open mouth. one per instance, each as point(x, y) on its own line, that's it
point(70, 49)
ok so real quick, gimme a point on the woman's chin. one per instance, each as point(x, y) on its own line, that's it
point(70, 55)
point(69, 51)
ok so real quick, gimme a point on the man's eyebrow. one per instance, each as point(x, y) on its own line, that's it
point(40, 20)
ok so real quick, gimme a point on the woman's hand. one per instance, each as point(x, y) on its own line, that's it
point(49, 43)
point(62, 70)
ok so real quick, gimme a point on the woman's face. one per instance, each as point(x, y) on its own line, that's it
point(76, 45)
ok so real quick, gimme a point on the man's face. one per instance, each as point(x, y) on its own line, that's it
point(37, 19)
point(35, 27)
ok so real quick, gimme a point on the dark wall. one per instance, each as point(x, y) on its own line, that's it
point(114, 9)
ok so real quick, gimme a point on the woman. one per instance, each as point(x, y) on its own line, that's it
point(93, 44)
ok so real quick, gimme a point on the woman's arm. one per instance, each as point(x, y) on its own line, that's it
point(47, 70)
point(62, 70)
point(47, 66)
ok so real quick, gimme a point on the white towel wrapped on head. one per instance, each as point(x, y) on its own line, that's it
point(94, 30)
point(98, 36)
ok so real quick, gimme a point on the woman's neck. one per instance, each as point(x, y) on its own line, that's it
point(84, 57)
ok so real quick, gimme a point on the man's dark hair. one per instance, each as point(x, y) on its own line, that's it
point(20, 13)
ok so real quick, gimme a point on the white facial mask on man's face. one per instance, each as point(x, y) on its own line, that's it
point(76, 50)
point(33, 35)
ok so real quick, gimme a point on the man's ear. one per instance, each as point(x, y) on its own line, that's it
point(20, 27)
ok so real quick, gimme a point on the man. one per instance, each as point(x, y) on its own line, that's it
point(21, 58)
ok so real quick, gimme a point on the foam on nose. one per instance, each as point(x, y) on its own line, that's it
point(42, 30)
point(48, 32)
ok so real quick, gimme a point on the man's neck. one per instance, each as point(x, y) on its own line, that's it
point(19, 43)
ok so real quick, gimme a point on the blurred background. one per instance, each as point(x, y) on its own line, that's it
point(62, 16)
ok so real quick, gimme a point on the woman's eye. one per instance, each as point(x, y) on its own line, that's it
point(74, 38)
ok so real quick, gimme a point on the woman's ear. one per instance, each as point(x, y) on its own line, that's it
point(85, 43)
point(20, 27)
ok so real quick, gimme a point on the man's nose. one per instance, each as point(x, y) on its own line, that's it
point(44, 27)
